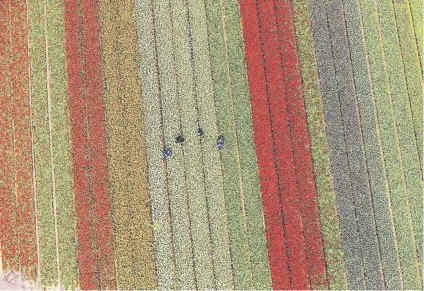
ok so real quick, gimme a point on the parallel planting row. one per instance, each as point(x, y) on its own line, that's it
point(205, 144)
point(190, 83)
point(367, 50)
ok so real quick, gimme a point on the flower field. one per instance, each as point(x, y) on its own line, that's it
point(211, 144)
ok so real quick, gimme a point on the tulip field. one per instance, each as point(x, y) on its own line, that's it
point(211, 144)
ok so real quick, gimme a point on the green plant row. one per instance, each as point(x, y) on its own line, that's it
point(390, 142)
point(51, 145)
point(403, 116)
point(413, 74)
point(246, 147)
point(201, 68)
point(240, 173)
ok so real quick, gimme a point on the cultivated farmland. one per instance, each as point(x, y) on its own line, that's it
point(201, 144)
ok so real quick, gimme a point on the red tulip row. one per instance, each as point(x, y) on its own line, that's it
point(283, 147)
point(8, 243)
point(301, 146)
point(17, 214)
point(264, 146)
point(86, 110)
